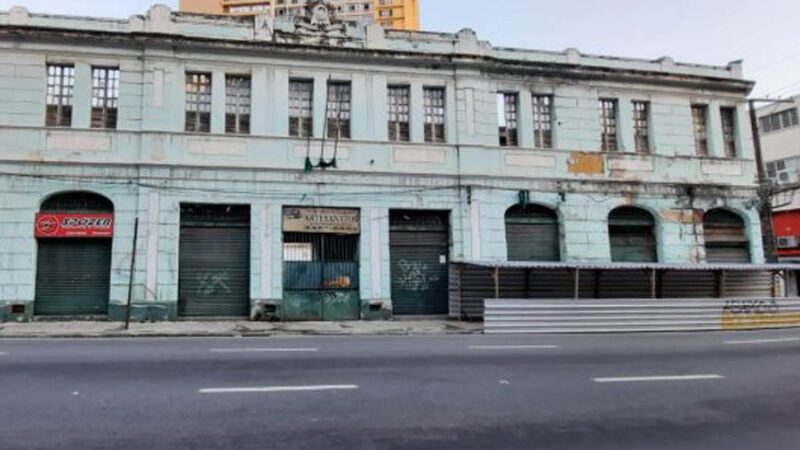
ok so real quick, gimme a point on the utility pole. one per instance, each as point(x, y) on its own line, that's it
point(765, 188)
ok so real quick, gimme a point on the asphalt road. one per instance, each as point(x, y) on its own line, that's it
point(667, 391)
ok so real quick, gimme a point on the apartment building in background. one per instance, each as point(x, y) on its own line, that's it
point(779, 124)
point(394, 14)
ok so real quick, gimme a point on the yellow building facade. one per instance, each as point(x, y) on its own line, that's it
point(394, 14)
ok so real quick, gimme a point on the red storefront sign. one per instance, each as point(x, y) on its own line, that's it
point(74, 225)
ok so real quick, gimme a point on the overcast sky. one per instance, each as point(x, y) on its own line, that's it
point(765, 33)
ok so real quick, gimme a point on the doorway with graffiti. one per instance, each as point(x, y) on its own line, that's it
point(420, 253)
point(321, 264)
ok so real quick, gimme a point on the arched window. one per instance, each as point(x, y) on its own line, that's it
point(77, 202)
point(532, 234)
point(632, 232)
point(726, 238)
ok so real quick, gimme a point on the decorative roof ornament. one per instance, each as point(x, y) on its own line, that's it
point(318, 25)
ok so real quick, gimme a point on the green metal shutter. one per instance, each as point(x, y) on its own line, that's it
point(726, 238)
point(419, 247)
point(532, 234)
point(214, 268)
point(632, 236)
point(73, 277)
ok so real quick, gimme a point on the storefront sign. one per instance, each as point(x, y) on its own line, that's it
point(321, 220)
point(74, 225)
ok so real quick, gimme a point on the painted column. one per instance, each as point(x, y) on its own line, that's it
point(151, 265)
point(716, 148)
point(82, 100)
point(417, 113)
point(259, 121)
point(218, 103)
point(625, 125)
point(525, 119)
point(475, 229)
point(266, 252)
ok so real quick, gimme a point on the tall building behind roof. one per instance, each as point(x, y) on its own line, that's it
point(395, 14)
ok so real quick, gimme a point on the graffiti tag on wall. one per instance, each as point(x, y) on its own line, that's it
point(415, 276)
point(209, 284)
point(756, 314)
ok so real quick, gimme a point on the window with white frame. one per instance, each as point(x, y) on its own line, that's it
point(434, 105)
point(700, 121)
point(301, 108)
point(508, 118)
point(198, 102)
point(339, 104)
point(608, 124)
point(237, 104)
point(60, 92)
point(105, 97)
point(399, 99)
point(542, 121)
point(641, 127)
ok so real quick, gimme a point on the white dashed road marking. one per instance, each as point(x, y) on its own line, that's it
point(514, 347)
point(659, 378)
point(263, 350)
point(762, 341)
point(276, 389)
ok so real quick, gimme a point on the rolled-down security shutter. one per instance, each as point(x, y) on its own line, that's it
point(726, 238)
point(214, 266)
point(420, 248)
point(632, 235)
point(73, 277)
point(532, 234)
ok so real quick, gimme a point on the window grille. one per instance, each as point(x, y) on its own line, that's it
point(237, 104)
point(198, 102)
point(60, 91)
point(339, 104)
point(608, 123)
point(507, 116)
point(301, 108)
point(434, 104)
point(105, 97)
point(728, 116)
point(641, 127)
point(699, 117)
point(543, 121)
point(399, 98)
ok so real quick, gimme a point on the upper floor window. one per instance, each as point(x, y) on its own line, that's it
point(641, 126)
point(779, 121)
point(237, 104)
point(507, 115)
point(608, 123)
point(700, 120)
point(198, 102)
point(543, 121)
point(105, 97)
point(339, 104)
point(301, 108)
point(399, 99)
point(60, 91)
point(434, 105)
point(728, 116)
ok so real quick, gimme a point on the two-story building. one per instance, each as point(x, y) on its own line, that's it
point(309, 169)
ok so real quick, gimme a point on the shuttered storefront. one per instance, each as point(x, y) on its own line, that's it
point(420, 249)
point(73, 277)
point(214, 261)
point(632, 235)
point(532, 234)
point(726, 238)
point(73, 270)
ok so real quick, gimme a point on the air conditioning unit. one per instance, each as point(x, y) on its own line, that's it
point(785, 242)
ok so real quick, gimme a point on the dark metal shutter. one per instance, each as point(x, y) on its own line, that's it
point(420, 248)
point(532, 234)
point(214, 263)
point(73, 277)
point(726, 238)
point(632, 236)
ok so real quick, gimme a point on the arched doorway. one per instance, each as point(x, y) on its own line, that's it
point(74, 233)
point(632, 233)
point(726, 238)
point(532, 234)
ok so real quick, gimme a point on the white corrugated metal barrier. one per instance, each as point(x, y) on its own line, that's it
point(620, 316)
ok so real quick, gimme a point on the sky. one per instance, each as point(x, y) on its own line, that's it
point(764, 33)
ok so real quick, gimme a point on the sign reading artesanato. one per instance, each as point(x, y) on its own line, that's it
point(321, 220)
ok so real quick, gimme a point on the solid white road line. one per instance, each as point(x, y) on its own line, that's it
point(275, 389)
point(513, 347)
point(762, 341)
point(659, 378)
point(262, 350)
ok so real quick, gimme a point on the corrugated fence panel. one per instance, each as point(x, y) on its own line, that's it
point(610, 316)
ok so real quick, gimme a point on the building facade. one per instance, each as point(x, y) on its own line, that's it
point(313, 170)
point(394, 14)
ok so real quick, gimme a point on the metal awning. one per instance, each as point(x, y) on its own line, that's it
point(632, 266)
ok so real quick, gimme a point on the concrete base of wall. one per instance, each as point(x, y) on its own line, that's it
point(16, 312)
point(145, 312)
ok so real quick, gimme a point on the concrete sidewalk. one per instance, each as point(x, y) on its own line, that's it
point(235, 329)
